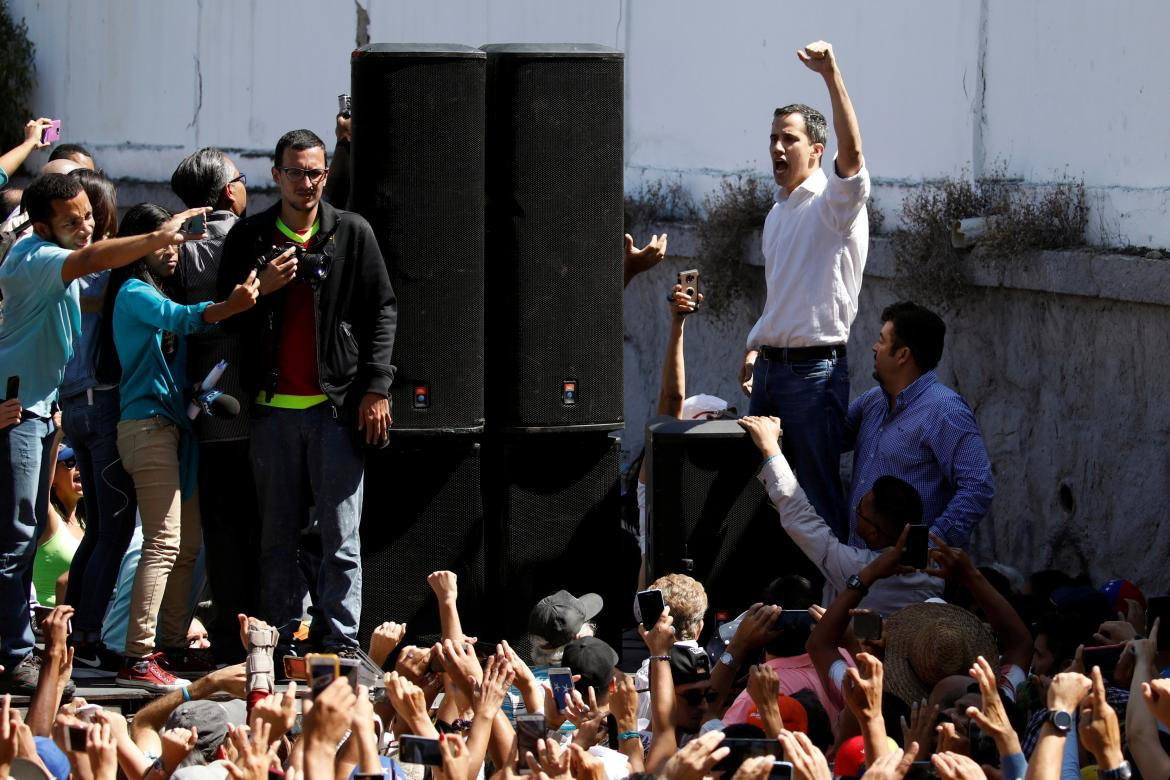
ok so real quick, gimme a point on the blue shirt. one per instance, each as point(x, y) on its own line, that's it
point(80, 372)
point(42, 320)
point(931, 440)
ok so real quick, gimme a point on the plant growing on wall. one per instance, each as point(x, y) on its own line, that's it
point(16, 77)
point(1019, 220)
point(734, 214)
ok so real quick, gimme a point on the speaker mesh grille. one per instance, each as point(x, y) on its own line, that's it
point(418, 177)
point(555, 238)
point(422, 512)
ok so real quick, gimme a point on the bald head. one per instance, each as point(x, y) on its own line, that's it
point(61, 165)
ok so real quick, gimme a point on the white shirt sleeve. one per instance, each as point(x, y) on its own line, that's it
point(844, 200)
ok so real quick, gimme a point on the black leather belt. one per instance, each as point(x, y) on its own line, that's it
point(801, 354)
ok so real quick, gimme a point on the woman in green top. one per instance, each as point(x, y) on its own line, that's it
point(63, 531)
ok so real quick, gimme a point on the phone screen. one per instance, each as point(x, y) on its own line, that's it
point(1159, 607)
point(529, 729)
point(781, 770)
point(746, 748)
point(650, 606)
point(419, 750)
point(13, 390)
point(1105, 656)
point(868, 626)
point(914, 553)
point(77, 735)
point(323, 670)
point(561, 680)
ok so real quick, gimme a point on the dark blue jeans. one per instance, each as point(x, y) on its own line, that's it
point(25, 461)
point(110, 504)
point(811, 399)
point(303, 458)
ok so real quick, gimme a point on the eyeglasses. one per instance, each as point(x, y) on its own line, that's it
point(69, 463)
point(695, 698)
point(242, 179)
point(299, 174)
point(864, 516)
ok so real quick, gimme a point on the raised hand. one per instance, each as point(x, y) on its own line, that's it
point(992, 719)
point(1098, 728)
point(694, 761)
point(818, 57)
point(920, 729)
point(639, 260)
point(384, 639)
point(863, 688)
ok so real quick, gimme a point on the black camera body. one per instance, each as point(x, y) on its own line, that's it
point(313, 263)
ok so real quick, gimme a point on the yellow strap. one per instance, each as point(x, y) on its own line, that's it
point(285, 401)
point(293, 235)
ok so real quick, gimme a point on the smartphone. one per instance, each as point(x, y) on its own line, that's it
point(295, 668)
point(920, 770)
point(344, 104)
point(561, 680)
point(914, 553)
point(650, 606)
point(781, 770)
point(86, 712)
point(867, 626)
point(1159, 607)
point(529, 729)
point(195, 225)
point(413, 749)
point(1104, 656)
point(742, 749)
point(349, 667)
point(13, 390)
point(75, 738)
point(611, 732)
point(52, 132)
point(690, 283)
point(323, 669)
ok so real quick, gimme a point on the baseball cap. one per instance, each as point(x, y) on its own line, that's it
point(558, 618)
point(594, 660)
point(792, 713)
point(689, 664)
point(210, 720)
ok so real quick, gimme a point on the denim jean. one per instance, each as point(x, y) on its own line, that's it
point(25, 460)
point(160, 606)
point(811, 399)
point(110, 503)
point(302, 458)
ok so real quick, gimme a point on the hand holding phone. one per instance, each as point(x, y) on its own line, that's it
point(13, 389)
point(561, 680)
point(529, 729)
point(75, 737)
point(867, 626)
point(413, 749)
point(323, 669)
point(196, 225)
point(52, 132)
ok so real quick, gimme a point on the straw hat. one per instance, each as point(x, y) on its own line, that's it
point(927, 642)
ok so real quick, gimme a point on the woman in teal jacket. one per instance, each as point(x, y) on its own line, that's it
point(157, 447)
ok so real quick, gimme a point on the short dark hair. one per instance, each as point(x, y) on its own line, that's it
point(38, 197)
point(296, 140)
point(200, 178)
point(66, 151)
point(814, 121)
point(896, 503)
point(103, 199)
point(794, 594)
point(918, 328)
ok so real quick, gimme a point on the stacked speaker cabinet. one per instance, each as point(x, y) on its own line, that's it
point(708, 515)
point(493, 181)
point(418, 177)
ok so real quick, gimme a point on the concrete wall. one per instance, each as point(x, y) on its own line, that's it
point(1041, 89)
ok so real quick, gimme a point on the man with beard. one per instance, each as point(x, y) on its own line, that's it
point(317, 353)
point(919, 430)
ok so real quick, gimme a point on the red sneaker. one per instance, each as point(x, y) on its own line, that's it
point(145, 673)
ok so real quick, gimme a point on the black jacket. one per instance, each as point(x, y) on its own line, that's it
point(356, 310)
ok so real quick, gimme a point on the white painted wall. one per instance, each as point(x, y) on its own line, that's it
point(1072, 87)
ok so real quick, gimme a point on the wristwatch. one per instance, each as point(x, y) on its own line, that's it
point(1063, 721)
point(856, 584)
point(727, 660)
point(1122, 772)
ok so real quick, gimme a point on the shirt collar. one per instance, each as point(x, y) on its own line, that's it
point(916, 388)
point(813, 185)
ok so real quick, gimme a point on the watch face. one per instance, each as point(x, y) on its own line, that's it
point(1062, 720)
point(726, 659)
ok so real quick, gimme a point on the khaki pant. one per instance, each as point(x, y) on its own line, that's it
point(170, 536)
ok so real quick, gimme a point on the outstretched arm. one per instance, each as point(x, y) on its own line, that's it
point(819, 58)
point(11, 160)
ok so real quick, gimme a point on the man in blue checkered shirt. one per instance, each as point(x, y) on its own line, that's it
point(917, 429)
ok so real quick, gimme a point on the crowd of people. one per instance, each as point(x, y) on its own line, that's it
point(885, 666)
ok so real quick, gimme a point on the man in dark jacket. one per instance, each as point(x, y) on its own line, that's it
point(317, 355)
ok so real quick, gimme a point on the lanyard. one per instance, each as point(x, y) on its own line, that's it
point(293, 235)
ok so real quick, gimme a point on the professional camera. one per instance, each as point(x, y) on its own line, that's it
point(312, 263)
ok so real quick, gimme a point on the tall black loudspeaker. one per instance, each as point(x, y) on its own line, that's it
point(557, 502)
point(418, 177)
point(554, 236)
point(708, 515)
point(422, 512)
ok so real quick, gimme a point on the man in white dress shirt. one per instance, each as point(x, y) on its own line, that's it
point(815, 241)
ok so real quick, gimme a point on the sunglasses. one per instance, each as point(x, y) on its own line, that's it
point(69, 463)
point(695, 698)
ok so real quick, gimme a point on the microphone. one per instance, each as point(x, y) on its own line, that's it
point(209, 382)
point(217, 403)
